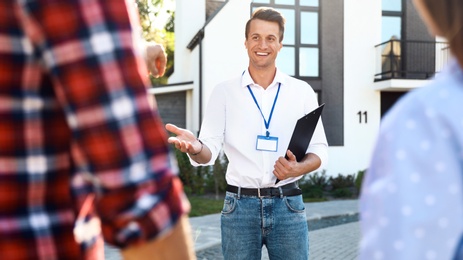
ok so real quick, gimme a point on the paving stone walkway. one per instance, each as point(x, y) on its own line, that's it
point(334, 233)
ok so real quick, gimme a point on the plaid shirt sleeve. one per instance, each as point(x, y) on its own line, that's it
point(100, 81)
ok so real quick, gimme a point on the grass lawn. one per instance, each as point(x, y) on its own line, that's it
point(201, 205)
point(204, 205)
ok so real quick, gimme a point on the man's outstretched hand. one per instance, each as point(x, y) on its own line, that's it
point(184, 140)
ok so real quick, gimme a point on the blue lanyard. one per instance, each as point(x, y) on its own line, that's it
point(267, 123)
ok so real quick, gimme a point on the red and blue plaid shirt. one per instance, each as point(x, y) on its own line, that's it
point(75, 122)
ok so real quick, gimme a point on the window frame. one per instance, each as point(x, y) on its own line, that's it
point(399, 14)
point(298, 10)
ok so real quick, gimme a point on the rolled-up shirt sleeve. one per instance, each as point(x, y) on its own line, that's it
point(319, 145)
point(213, 125)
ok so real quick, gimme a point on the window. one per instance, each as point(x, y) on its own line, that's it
point(391, 34)
point(391, 22)
point(308, 51)
point(300, 55)
point(284, 2)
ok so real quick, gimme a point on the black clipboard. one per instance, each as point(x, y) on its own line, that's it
point(302, 133)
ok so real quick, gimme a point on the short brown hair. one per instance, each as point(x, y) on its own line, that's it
point(448, 17)
point(267, 14)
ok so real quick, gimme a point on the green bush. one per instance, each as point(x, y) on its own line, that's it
point(315, 192)
point(211, 180)
point(215, 181)
point(313, 185)
point(359, 180)
point(202, 179)
point(342, 193)
point(319, 180)
point(343, 186)
point(342, 181)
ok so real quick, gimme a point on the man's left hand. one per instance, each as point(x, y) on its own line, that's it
point(285, 168)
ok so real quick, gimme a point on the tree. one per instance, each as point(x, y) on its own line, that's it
point(148, 11)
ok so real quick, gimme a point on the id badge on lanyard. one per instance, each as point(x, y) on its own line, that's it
point(266, 142)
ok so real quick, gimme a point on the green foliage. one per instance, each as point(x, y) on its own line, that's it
point(148, 10)
point(319, 186)
point(359, 180)
point(314, 192)
point(190, 176)
point(210, 180)
point(216, 183)
point(343, 186)
point(202, 179)
point(316, 179)
point(313, 185)
point(342, 181)
point(201, 206)
point(342, 193)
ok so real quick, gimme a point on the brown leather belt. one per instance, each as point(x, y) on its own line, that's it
point(290, 189)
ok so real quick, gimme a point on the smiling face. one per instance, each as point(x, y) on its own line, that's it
point(263, 44)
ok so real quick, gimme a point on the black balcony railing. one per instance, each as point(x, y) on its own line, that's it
point(400, 59)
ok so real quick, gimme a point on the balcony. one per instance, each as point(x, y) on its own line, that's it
point(404, 64)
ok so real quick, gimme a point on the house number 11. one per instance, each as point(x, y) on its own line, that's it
point(362, 117)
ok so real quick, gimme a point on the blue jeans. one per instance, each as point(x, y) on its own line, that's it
point(279, 223)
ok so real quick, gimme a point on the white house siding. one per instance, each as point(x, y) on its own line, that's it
point(189, 19)
point(362, 31)
point(225, 55)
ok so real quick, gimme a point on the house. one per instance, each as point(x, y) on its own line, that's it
point(359, 56)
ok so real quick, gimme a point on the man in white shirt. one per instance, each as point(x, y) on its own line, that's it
point(260, 106)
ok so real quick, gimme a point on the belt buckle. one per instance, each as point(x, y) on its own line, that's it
point(258, 193)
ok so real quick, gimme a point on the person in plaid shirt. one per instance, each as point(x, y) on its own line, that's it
point(82, 154)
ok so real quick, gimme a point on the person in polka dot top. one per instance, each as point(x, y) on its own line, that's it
point(411, 203)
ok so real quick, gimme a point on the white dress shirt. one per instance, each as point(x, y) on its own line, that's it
point(232, 119)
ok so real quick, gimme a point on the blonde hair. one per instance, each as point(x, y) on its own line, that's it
point(448, 17)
